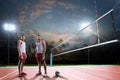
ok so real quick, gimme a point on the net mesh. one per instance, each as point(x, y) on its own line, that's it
point(88, 34)
point(103, 34)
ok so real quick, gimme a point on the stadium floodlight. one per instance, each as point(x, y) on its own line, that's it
point(87, 29)
point(9, 28)
point(83, 25)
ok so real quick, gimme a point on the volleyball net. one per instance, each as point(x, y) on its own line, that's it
point(102, 31)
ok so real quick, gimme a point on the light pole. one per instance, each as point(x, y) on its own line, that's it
point(9, 28)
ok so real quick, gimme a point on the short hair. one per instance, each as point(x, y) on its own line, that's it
point(38, 34)
point(22, 35)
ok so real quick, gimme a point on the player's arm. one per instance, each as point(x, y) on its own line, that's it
point(44, 50)
point(18, 46)
point(36, 50)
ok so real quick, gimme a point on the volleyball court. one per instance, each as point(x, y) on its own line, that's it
point(84, 46)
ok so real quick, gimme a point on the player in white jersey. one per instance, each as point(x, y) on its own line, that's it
point(21, 46)
point(40, 55)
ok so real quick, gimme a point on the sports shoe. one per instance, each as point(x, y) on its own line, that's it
point(20, 75)
point(23, 73)
point(45, 75)
point(39, 73)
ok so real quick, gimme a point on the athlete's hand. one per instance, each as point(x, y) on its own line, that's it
point(26, 55)
point(43, 58)
point(19, 56)
point(36, 55)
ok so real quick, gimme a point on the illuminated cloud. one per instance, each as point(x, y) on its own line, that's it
point(53, 36)
point(85, 10)
point(30, 12)
point(48, 36)
point(66, 5)
point(22, 18)
point(49, 2)
point(49, 16)
point(38, 12)
point(22, 12)
point(76, 15)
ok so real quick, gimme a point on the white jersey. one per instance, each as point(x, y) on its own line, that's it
point(23, 47)
point(39, 46)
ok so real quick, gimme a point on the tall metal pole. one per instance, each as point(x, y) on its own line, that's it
point(88, 56)
point(51, 59)
point(8, 27)
point(8, 47)
point(98, 35)
point(113, 24)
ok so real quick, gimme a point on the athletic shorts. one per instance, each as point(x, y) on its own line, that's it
point(39, 57)
point(23, 56)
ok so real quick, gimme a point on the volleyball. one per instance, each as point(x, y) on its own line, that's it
point(57, 73)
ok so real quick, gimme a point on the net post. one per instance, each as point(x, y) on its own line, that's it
point(98, 35)
point(113, 24)
point(51, 59)
point(88, 57)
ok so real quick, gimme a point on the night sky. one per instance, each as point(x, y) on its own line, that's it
point(53, 19)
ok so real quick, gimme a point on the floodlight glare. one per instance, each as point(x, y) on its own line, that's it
point(9, 27)
point(86, 30)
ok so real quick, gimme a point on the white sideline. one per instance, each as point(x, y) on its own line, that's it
point(8, 75)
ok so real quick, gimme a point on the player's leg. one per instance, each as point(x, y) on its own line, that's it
point(20, 67)
point(39, 67)
point(45, 68)
point(19, 64)
point(38, 59)
point(24, 56)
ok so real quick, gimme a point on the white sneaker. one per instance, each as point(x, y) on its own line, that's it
point(45, 75)
point(39, 73)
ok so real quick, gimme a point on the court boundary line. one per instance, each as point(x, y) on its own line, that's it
point(102, 70)
point(71, 67)
point(8, 75)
